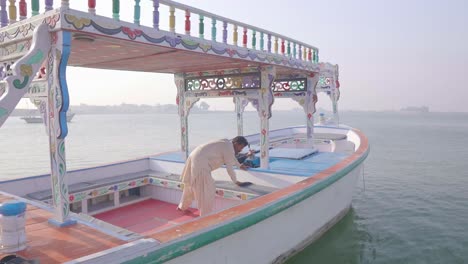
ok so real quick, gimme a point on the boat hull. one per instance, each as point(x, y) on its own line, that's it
point(282, 235)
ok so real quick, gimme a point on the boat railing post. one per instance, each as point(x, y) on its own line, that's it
point(57, 107)
point(265, 101)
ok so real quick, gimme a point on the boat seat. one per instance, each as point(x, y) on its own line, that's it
point(86, 185)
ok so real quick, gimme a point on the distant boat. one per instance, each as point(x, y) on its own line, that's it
point(422, 109)
point(38, 119)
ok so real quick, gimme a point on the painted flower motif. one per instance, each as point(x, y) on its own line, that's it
point(220, 193)
point(132, 34)
point(78, 23)
point(94, 193)
point(173, 41)
point(309, 115)
point(71, 198)
point(263, 131)
point(132, 183)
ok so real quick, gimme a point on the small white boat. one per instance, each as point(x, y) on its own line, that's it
point(124, 212)
point(40, 120)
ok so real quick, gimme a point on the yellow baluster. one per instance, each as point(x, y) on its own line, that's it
point(172, 19)
point(276, 45)
point(234, 37)
point(12, 11)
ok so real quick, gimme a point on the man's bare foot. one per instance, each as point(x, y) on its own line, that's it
point(187, 211)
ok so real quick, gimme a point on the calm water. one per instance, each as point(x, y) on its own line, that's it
point(411, 206)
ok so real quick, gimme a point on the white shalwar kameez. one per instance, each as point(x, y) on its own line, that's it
point(196, 175)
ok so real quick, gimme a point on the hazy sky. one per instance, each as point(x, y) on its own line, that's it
point(391, 54)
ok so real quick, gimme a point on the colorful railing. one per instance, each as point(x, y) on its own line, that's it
point(210, 26)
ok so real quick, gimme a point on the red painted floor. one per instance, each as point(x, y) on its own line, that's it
point(147, 217)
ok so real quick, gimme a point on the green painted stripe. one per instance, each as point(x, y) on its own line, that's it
point(202, 238)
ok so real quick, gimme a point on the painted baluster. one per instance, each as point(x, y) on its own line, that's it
point(12, 11)
point(305, 54)
point(23, 9)
point(262, 42)
point(187, 22)
point(276, 45)
point(49, 5)
point(116, 10)
point(316, 56)
point(309, 55)
point(156, 14)
point(172, 19)
point(65, 4)
point(225, 33)
point(235, 35)
point(244, 38)
point(213, 29)
point(34, 7)
point(300, 52)
point(294, 50)
point(269, 43)
point(254, 39)
point(3, 13)
point(136, 12)
point(289, 48)
point(92, 6)
point(283, 49)
point(201, 27)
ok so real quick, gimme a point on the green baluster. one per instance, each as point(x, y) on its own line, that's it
point(201, 27)
point(213, 29)
point(289, 48)
point(294, 50)
point(35, 7)
point(116, 10)
point(136, 15)
point(261, 41)
point(254, 39)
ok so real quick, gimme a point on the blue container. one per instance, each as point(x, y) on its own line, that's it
point(12, 208)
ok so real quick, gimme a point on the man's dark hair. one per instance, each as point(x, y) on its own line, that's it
point(240, 140)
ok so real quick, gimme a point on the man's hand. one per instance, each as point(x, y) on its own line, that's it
point(243, 184)
point(244, 167)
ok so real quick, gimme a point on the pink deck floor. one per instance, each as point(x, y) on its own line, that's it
point(147, 217)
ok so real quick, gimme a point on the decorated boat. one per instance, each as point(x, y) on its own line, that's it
point(303, 177)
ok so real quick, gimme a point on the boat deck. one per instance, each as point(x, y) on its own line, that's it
point(306, 167)
point(147, 217)
point(50, 244)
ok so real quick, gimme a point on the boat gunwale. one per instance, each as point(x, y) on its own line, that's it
point(175, 242)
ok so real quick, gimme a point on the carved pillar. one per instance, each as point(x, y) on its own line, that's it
point(309, 106)
point(265, 101)
point(57, 107)
point(241, 103)
point(184, 105)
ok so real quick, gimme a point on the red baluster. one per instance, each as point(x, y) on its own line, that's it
point(282, 47)
point(92, 6)
point(244, 38)
point(187, 22)
point(309, 55)
point(23, 9)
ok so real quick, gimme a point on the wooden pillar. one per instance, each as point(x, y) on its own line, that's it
point(309, 106)
point(180, 84)
point(265, 102)
point(57, 107)
point(241, 103)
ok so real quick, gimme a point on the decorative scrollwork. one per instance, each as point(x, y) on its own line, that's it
point(290, 85)
point(223, 82)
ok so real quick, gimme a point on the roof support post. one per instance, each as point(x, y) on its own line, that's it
point(241, 103)
point(309, 106)
point(265, 101)
point(184, 105)
point(57, 107)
